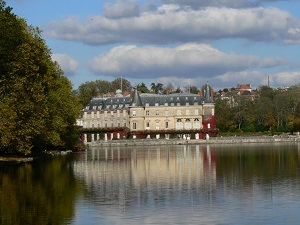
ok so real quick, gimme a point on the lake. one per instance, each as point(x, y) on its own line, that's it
point(177, 184)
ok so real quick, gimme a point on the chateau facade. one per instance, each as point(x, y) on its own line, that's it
point(181, 115)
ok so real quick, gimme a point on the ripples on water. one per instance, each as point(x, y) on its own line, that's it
point(193, 184)
point(190, 185)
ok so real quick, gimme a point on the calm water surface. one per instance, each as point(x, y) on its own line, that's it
point(195, 184)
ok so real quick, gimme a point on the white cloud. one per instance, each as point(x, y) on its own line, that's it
point(285, 79)
point(221, 3)
point(174, 24)
point(120, 9)
point(185, 61)
point(68, 64)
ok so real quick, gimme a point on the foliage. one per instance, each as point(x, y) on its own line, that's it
point(157, 88)
point(37, 106)
point(143, 88)
point(274, 110)
point(90, 89)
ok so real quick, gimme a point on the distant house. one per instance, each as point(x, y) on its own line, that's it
point(154, 116)
point(241, 88)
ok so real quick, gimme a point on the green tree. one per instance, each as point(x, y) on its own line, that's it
point(143, 88)
point(157, 88)
point(29, 80)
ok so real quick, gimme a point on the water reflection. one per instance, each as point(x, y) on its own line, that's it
point(42, 192)
point(190, 184)
point(118, 174)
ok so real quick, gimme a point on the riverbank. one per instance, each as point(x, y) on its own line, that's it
point(212, 140)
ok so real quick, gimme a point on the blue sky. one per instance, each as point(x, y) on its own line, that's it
point(182, 42)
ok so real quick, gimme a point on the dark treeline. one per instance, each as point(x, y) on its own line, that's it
point(272, 110)
point(38, 109)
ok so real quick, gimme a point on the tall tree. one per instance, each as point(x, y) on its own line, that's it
point(29, 79)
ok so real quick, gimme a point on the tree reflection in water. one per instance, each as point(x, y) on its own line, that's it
point(40, 192)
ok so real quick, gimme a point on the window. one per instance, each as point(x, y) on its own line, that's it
point(166, 104)
point(92, 114)
point(156, 104)
point(124, 113)
point(157, 113)
point(167, 124)
point(178, 112)
point(188, 124)
point(147, 113)
point(187, 103)
point(147, 125)
point(147, 104)
point(105, 113)
point(179, 124)
point(196, 124)
point(157, 126)
point(134, 126)
point(166, 113)
point(112, 113)
point(118, 113)
point(133, 113)
point(196, 112)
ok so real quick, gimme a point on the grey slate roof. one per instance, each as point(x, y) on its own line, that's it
point(144, 100)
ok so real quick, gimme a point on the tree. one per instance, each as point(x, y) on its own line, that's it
point(116, 84)
point(143, 88)
point(191, 89)
point(157, 88)
point(169, 89)
point(29, 80)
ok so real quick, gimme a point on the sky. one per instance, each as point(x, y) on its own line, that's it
point(178, 42)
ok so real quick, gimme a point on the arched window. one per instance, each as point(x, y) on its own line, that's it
point(188, 124)
point(179, 124)
point(196, 124)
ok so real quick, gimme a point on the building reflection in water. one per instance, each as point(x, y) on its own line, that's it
point(128, 176)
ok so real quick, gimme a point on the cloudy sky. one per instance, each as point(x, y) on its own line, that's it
point(182, 42)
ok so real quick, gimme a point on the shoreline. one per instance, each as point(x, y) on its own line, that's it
point(212, 140)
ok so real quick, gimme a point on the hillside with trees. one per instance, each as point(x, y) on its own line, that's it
point(38, 109)
point(272, 110)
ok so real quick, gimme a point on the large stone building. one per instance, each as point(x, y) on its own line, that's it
point(181, 115)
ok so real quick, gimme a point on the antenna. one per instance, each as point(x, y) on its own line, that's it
point(121, 84)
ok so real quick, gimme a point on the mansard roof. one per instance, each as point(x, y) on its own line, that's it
point(108, 103)
point(178, 99)
point(144, 100)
